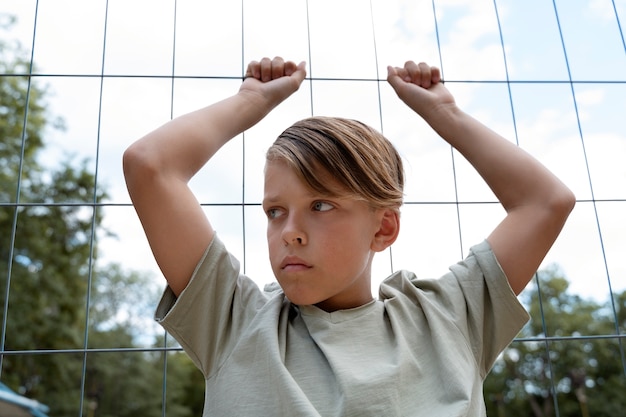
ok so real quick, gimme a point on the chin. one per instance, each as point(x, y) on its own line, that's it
point(297, 298)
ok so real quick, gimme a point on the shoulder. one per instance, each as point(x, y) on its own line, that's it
point(476, 281)
point(216, 284)
point(479, 265)
point(472, 302)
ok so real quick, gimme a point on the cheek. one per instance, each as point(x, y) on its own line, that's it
point(338, 244)
point(352, 247)
point(274, 242)
point(271, 232)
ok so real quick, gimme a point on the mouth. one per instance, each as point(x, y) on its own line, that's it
point(294, 264)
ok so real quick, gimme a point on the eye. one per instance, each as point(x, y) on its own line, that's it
point(322, 206)
point(273, 213)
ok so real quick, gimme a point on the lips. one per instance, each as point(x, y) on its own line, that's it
point(293, 264)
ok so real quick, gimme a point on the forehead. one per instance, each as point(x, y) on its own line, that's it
point(280, 174)
point(278, 171)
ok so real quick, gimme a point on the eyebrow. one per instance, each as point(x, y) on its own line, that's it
point(268, 200)
point(276, 197)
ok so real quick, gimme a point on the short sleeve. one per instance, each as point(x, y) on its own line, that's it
point(472, 302)
point(495, 315)
point(211, 311)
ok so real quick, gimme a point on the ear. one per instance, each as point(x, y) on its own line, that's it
point(388, 230)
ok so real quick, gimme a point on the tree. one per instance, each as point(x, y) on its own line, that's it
point(45, 242)
point(588, 372)
point(49, 262)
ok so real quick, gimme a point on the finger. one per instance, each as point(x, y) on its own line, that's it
point(300, 73)
point(290, 68)
point(403, 74)
point(411, 72)
point(435, 75)
point(253, 70)
point(278, 67)
point(266, 69)
point(399, 77)
point(393, 76)
point(424, 75)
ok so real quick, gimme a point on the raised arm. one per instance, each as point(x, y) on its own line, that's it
point(159, 166)
point(536, 202)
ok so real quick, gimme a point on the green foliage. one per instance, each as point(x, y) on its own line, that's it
point(17, 149)
point(122, 383)
point(588, 371)
point(47, 250)
point(185, 387)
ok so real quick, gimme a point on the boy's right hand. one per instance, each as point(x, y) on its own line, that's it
point(159, 166)
point(271, 81)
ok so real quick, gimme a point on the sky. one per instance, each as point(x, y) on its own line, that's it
point(118, 69)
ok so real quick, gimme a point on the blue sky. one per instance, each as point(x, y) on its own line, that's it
point(577, 131)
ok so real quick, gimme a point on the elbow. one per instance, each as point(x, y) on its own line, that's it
point(571, 200)
point(562, 203)
point(138, 165)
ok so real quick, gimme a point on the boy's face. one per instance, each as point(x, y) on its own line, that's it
point(320, 247)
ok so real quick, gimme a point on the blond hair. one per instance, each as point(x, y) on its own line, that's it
point(364, 163)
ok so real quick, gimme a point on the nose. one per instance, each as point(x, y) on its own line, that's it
point(295, 240)
point(293, 233)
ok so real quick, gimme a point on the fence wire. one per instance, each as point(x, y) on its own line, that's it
point(116, 91)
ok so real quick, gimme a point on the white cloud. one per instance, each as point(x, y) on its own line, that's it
point(209, 43)
point(605, 9)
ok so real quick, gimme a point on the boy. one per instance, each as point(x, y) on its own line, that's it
point(319, 344)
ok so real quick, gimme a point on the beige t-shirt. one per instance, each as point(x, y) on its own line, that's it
point(422, 349)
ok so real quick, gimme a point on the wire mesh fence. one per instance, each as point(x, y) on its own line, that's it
point(80, 81)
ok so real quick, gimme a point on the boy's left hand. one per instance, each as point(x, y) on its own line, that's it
point(420, 87)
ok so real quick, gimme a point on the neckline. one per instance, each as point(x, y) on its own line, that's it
point(338, 315)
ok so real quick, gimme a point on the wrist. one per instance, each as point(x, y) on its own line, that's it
point(251, 106)
point(445, 118)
